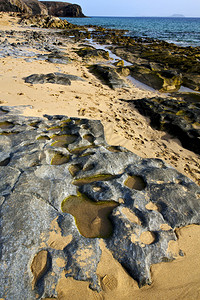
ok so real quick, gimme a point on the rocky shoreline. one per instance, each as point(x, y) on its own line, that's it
point(77, 208)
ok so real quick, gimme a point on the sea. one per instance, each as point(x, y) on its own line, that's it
point(181, 31)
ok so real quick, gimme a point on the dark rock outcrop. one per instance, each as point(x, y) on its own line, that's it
point(53, 165)
point(63, 9)
point(55, 78)
point(163, 81)
point(160, 63)
point(109, 76)
point(180, 118)
point(90, 52)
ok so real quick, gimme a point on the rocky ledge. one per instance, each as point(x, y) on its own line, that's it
point(161, 65)
point(56, 170)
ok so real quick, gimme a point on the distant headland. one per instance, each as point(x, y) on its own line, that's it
point(177, 16)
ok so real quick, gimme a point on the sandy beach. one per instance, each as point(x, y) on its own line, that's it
point(124, 126)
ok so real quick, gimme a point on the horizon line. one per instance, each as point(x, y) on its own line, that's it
point(181, 17)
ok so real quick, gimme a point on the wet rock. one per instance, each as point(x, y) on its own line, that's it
point(192, 81)
point(164, 81)
point(180, 118)
point(40, 240)
point(91, 53)
point(109, 76)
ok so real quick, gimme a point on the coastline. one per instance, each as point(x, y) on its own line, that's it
point(124, 126)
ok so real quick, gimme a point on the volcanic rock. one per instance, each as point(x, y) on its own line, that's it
point(55, 78)
point(180, 118)
point(109, 76)
point(164, 81)
point(52, 173)
point(90, 52)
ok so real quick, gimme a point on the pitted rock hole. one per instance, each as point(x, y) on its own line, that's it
point(135, 182)
point(94, 178)
point(60, 159)
point(114, 149)
point(6, 125)
point(92, 218)
point(147, 237)
point(5, 162)
point(43, 138)
point(74, 169)
point(3, 112)
point(39, 266)
point(63, 140)
point(89, 137)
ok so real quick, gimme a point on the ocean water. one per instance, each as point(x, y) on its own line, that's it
point(181, 31)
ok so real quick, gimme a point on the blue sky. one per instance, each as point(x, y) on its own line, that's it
point(189, 8)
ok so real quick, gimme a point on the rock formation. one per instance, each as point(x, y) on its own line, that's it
point(57, 169)
point(63, 9)
point(179, 118)
point(108, 75)
point(14, 6)
point(35, 7)
point(45, 22)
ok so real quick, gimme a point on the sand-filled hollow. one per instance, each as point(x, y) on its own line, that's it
point(92, 219)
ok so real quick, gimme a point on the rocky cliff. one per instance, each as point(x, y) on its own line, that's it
point(63, 9)
point(14, 6)
point(23, 6)
point(35, 7)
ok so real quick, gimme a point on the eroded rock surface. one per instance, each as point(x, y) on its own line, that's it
point(48, 163)
point(180, 118)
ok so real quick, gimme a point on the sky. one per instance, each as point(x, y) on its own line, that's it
point(132, 8)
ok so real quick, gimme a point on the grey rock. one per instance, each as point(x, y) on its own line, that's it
point(55, 78)
point(56, 158)
point(48, 78)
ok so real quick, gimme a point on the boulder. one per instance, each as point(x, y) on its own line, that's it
point(55, 170)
